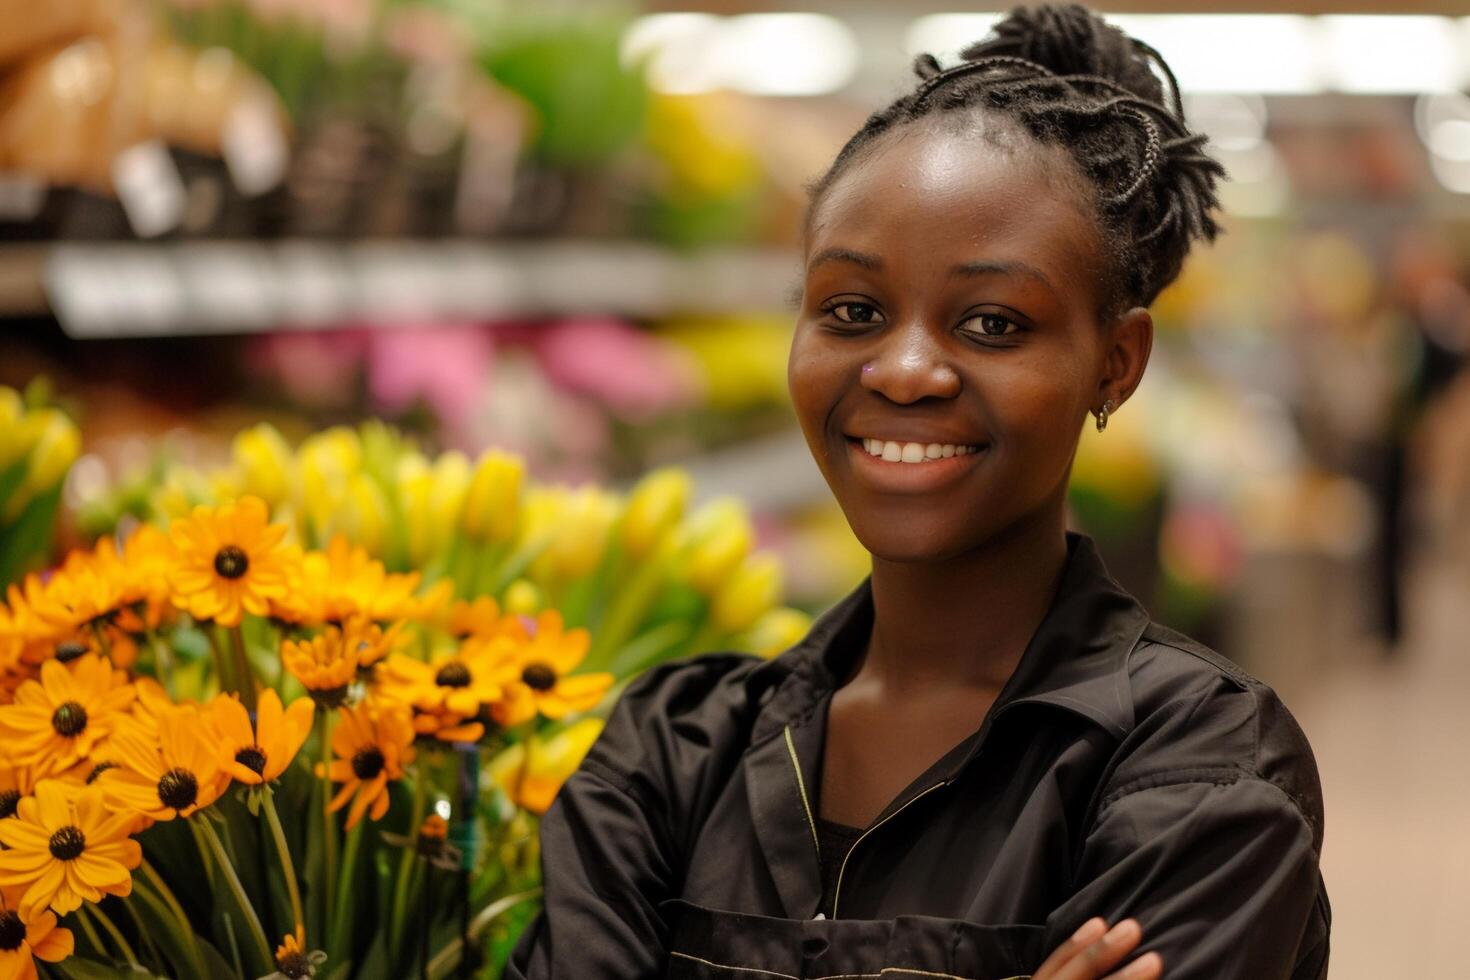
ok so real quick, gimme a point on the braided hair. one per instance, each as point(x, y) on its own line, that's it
point(1070, 78)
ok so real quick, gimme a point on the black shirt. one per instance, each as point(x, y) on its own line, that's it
point(1124, 770)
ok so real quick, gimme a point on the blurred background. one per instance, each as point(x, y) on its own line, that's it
point(569, 230)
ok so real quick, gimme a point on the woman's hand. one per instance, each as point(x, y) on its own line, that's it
point(1095, 949)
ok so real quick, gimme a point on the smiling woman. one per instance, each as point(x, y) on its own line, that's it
point(987, 761)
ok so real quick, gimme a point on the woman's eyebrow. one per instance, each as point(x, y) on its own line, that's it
point(1007, 268)
point(979, 268)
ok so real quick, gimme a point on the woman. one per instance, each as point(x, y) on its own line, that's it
point(986, 761)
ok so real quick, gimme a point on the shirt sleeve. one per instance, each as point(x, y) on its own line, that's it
point(613, 840)
point(1220, 870)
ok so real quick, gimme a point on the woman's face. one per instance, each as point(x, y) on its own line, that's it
point(949, 311)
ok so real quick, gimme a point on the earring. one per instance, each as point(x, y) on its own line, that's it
point(1103, 413)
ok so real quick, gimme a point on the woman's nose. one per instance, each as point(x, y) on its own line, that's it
point(909, 366)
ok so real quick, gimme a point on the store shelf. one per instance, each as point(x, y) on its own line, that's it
point(198, 288)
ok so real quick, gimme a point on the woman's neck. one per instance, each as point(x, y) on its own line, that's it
point(965, 621)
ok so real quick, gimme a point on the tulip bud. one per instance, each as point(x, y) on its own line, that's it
point(720, 537)
point(580, 540)
point(328, 461)
point(522, 598)
point(656, 504)
point(747, 594)
point(492, 504)
point(777, 631)
point(265, 463)
point(12, 409)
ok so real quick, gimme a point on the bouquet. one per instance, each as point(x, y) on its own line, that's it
point(236, 741)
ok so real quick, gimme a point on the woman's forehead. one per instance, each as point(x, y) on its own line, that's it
point(953, 191)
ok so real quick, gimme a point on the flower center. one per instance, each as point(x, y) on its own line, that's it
point(453, 674)
point(367, 764)
point(328, 698)
point(68, 843)
point(230, 561)
point(12, 931)
point(69, 651)
point(9, 800)
point(69, 720)
point(538, 676)
point(252, 757)
point(294, 965)
point(178, 789)
point(98, 770)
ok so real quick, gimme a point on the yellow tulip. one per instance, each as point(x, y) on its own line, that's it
point(523, 598)
point(12, 409)
point(327, 461)
point(747, 594)
point(492, 504)
point(654, 507)
point(450, 477)
point(582, 537)
point(416, 504)
point(265, 463)
point(776, 631)
point(533, 784)
point(720, 537)
point(362, 516)
point(53, 444)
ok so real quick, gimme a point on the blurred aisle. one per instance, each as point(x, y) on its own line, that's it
point(1391, 741)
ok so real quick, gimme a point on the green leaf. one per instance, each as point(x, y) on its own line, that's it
point(79, 969)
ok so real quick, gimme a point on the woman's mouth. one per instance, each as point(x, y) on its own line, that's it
point(914, 452)
point(890, 466)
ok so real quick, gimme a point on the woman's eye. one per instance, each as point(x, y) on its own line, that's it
point(995, 325)
point(856, 312)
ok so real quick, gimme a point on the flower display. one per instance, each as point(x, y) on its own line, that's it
point(244, 737)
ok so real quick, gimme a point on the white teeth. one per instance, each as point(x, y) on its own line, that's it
point(914, 452)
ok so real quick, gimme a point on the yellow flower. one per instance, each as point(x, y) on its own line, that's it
point(450, 694)
point(537, 678)
point(229, 559)
point(261, 754)
point(371, 747)
point(24, 940)
point(533, 784)
point(483, 619)
point(325, 664)
point(15, 782)
point(53, 443)
point(747, 594)
point(523, 598)
point(575, 524)
point(343, 581)
point(777, 631)
point(720, 537)
point(292, 960)
point(66, 848)
point(654, 507)
point(492, 505)
point(265, 463)
point(60, 719)
point(174, 775)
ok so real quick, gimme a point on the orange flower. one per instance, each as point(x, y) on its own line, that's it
point(371, 747)
point(15, 782)
point(326, 664)
point(229, 559)
point(293, 962)
point(66, 848)
point(531, 772)
point(25, 940)
point(343, 581)
point(261, 754)
point(179, 772)
point(450, 693)
point(61, 718)
point(539, 678)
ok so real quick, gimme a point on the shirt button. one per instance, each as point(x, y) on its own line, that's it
point(820, 915)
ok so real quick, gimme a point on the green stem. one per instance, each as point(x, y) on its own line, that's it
point(446, 957)
point(405, 863)
point(156, 882)
point(209, 841)
point(329, 824)
point(339, 914)
point(223, 663)
point(163, 661)
point(117, 937)
point(90, 930)
point(288, 868)
point(242, 661)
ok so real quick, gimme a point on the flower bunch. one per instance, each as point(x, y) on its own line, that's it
point(239, 741)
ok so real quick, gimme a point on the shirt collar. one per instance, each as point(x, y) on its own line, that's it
point(1077, 659)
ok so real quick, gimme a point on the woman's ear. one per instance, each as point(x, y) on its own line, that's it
point(1127, 342)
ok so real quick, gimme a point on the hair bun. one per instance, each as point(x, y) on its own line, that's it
point(1069, 39)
